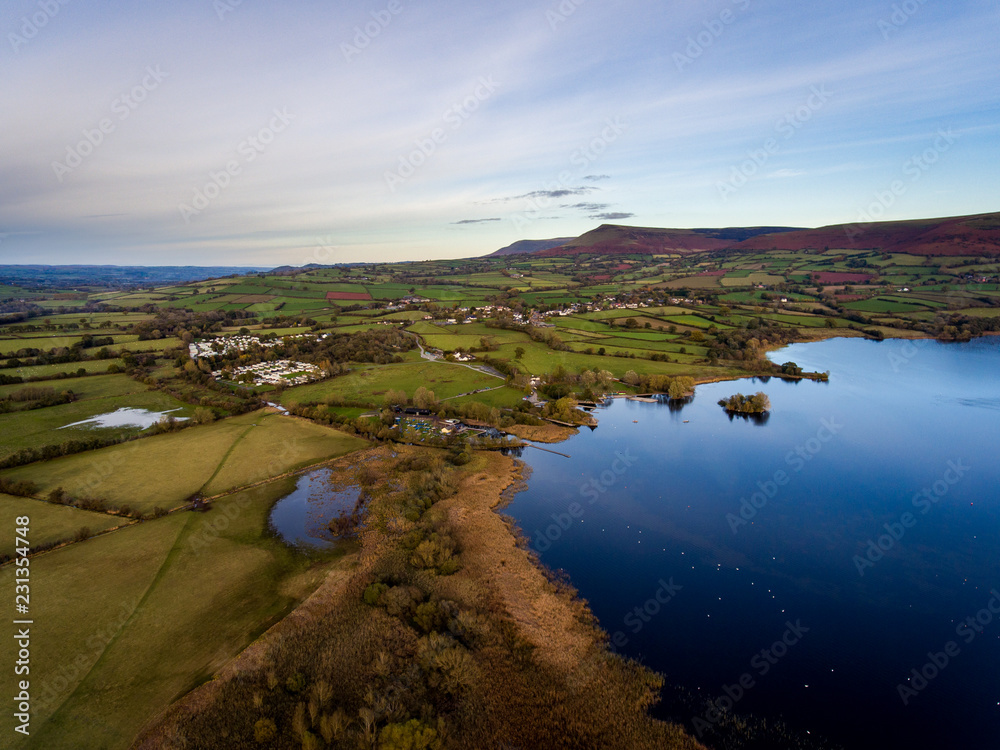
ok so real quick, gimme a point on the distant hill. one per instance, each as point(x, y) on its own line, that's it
point(959, 235)
point(113, 277)
point(612, 239)
point(531, 246)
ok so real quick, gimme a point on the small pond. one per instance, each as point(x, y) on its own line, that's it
point(301, 518)
point(125, 417)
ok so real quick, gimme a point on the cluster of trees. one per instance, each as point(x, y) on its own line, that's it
point(564, 410)
point(34, 397)
point(202, 389)
point(676, 387)
point(31, 357)
point(80, 372)
point(373, 428)
point(957, 327)
point(758, 403)
point(423, 398)
point(44, 453)
point(547, 336)
point(380, 346)
point(185, 324)
point(331, 354)
point(588, 384)
point(18, 487)
point(17, 311)
point(99, 505)
point(748, 344)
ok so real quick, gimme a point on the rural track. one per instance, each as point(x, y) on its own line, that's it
point(424, 354)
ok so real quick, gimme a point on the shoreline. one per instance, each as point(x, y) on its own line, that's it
point(607, 694)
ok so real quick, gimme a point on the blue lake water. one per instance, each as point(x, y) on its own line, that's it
point(301, 518)
point(756, 536)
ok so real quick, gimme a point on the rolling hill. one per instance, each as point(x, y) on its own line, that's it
point(961, 235)
point(531, 246)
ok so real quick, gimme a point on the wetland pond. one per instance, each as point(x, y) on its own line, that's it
point(835, 566)
point(301, 518)
point(125, 417)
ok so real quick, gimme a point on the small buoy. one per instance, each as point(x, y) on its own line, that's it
point(686, 421)
point(635, 421)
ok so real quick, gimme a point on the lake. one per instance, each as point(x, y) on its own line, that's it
point(803, 566)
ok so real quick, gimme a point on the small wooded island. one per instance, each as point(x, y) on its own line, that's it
point(758, 403)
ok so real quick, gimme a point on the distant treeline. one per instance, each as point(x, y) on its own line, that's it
point(28, 398)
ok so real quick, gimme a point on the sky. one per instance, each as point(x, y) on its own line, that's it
point(252, 133)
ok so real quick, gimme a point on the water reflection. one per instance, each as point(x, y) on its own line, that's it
point(126, 417)
point(303, 518)
point(762, 527)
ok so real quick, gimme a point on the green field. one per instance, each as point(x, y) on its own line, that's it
point(131, 620)
point(8, 346)
point(498, 397)
point(164, 470)
point(99, 394)
point(370, 384)
point(49, 523)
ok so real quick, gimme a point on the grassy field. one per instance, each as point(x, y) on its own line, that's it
point(370, 384)
point(277, 444)
point(539, 359)
point(500, 397)
point(49, 523)
point(47, 371)
point(39, 427)
point(164, 470)
point(130, 620)
point(98, 386)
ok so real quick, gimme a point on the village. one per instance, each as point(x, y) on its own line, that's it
point(282, 372)
point(241, 343)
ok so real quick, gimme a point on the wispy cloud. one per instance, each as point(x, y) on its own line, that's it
point(548, 194)
point(785, 173)
point(588, 207)
point(477, 221)
point(356, 118)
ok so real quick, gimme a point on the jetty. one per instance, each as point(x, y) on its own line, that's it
point(547, 450)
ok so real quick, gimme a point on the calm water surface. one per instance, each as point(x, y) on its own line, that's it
point(748, 528)
point(126, 417)
point(301, 518)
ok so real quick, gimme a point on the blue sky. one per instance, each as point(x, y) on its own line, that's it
point(253, 133)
